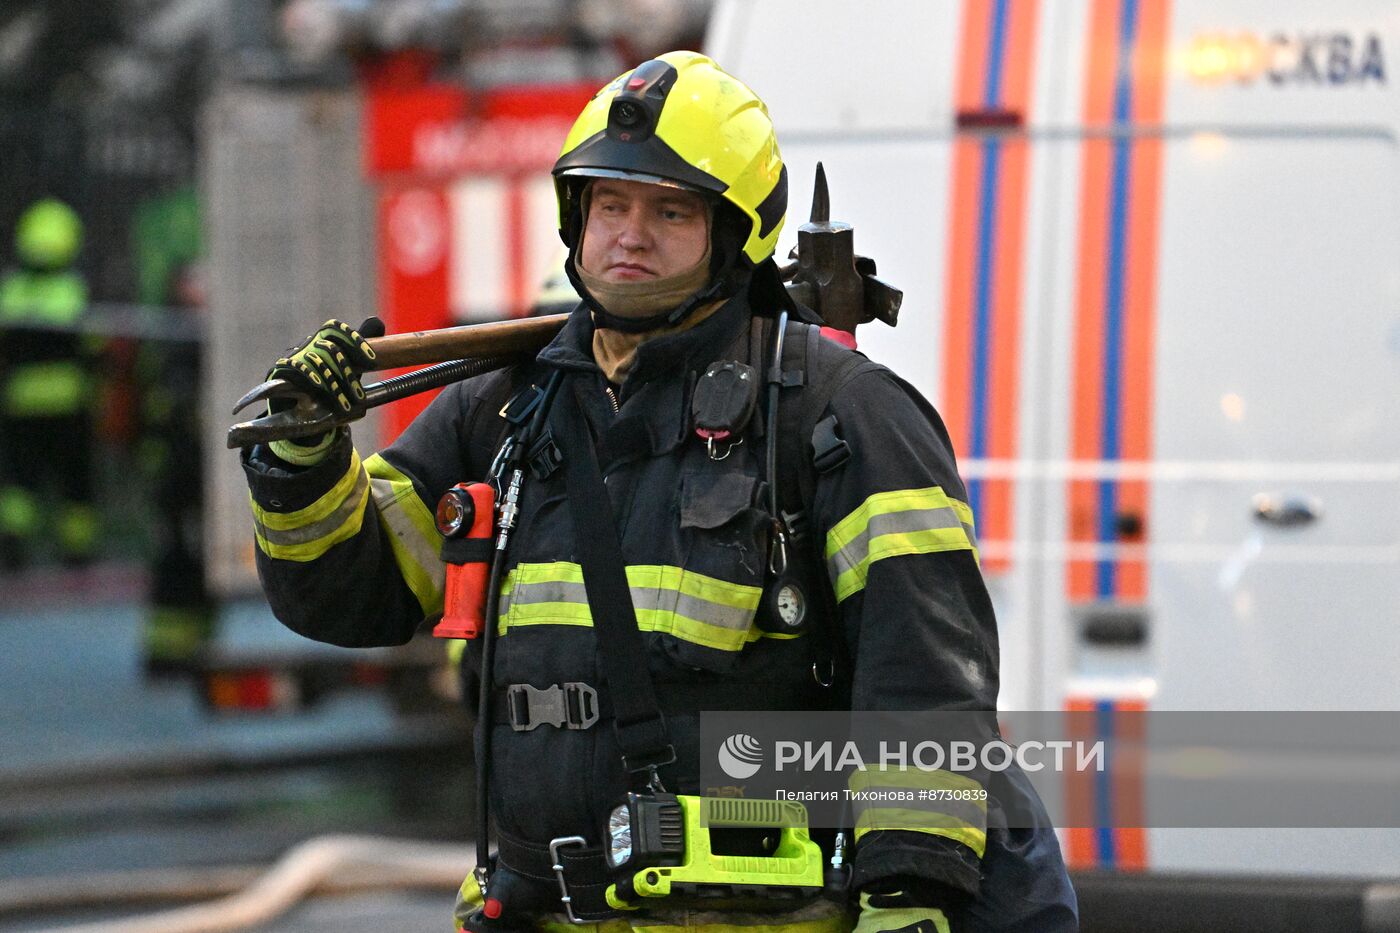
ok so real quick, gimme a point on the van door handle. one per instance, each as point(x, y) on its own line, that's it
point(1292, 512)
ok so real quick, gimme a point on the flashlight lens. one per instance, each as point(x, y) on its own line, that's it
point(619, 836)
point(454, 512)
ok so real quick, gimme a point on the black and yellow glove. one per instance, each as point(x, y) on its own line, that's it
point(326, 367)
point(888, 913)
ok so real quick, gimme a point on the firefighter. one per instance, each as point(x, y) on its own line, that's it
point(45, 392)
point(181, 618)
point(671, 195)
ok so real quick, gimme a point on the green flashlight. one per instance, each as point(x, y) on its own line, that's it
point(675, 851)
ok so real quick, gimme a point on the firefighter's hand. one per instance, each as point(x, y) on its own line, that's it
point(886, 913)
point(328, 365)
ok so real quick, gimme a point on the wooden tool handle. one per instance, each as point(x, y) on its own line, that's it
point(423, 347)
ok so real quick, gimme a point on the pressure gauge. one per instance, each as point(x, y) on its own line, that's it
point(791, 604)
point(785, 605)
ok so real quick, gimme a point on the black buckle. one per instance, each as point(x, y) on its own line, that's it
point(522, 405)
point(829, 451)
point(564, 706)
point(785, 378)
point(647, 740)
point(544, 457)
point(796, 524)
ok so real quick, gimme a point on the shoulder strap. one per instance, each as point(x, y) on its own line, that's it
point(490, 427)
point(798, 423)
point(802, 425)
point(638, 722)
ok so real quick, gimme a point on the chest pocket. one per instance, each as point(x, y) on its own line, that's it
point(719, 584)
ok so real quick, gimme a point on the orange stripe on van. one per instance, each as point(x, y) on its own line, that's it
point(1118, 242)
point(956, 404)
point(957, 327)
point(1008, 271)
point(1019, 66)
point(1105, 809)
point(1081, 849)
point(1089, 303)
point(1139, 334)
point(972, 57)
point(1130, 837)
point(986, 255)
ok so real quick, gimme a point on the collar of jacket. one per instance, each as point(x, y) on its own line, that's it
point(671, 355)
point(655, 415)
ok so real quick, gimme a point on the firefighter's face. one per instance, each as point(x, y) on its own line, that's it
point(637, 231)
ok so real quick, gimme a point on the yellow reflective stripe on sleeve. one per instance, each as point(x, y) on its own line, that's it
point(308, 533)
point(688, 605)
point(412, 533)
point(964, 512)
point(877, 819)
point(906, 778)
point(333, 499)
point(943, 803)
point(889, 524)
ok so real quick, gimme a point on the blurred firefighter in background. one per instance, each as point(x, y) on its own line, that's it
point(181, 613)
point(46, 389)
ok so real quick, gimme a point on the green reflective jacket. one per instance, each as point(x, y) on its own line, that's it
point(43, 371)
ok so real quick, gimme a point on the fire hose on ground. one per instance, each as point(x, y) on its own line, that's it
point(326, 864)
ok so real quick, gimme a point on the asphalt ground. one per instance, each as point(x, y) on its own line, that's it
point(108, 780)
point(382, 912)
point(103, 773)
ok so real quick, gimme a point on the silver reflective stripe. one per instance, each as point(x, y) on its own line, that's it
point(692, 607)
point(971, 533)
point(643, 599)
point(306, 534)
point(662, 597)
point(543, 591)
point(857, 549)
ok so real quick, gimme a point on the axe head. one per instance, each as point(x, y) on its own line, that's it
point(830, 277)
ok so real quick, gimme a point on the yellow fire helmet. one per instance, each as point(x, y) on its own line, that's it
point(680, 120)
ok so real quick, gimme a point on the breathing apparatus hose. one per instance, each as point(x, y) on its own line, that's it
point(518, 445)
point(775, 381)
point(484, 711)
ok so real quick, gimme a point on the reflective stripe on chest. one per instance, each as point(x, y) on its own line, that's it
point(671, 600)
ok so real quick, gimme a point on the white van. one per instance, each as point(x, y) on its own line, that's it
point(1150, 252)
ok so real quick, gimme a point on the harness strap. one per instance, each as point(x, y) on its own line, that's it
point(585, 871)
point(798, 419)
point(674, 700)
point(638, 721)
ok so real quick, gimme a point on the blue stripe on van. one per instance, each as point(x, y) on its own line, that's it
point(1119, 199)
